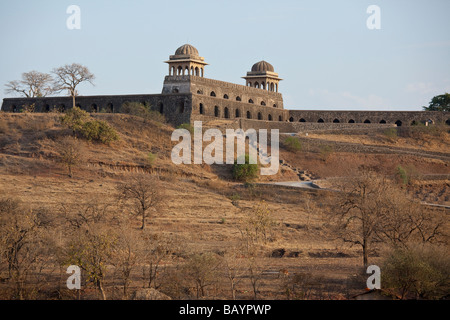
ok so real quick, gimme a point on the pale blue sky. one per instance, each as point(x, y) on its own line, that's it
point(323, 50)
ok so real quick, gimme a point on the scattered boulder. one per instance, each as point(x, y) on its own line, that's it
point(278, 253)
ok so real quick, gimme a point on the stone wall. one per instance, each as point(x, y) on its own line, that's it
point(176, 108)
point(401, 118)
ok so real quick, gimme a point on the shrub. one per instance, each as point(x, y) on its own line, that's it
point(186, 126)
point(325, 152)
point(402, 175)
point(421, 272)
point(391, 134)
point(246, 171)
point(292, 144)
point(98, 130)
point(151, 157)
point(75, 118)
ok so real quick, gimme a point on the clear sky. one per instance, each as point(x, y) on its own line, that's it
point(322, 49)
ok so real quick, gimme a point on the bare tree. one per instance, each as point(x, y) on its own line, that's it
point(70, 76)
point(144, 193)
point(70, 151)
point(233, 262)
point(202, 269)
point(33, 84)
point(22, 242)
point(359, 209)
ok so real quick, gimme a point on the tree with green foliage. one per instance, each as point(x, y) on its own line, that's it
point(439, 103)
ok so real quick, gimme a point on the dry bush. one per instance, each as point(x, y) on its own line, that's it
point(70, 151)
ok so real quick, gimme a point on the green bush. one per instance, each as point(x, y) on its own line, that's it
point(186, 126)
point(402, 175)
point(246, 171)
point(391, 134)
point(75, 118)
point(325, 152)
point(98, 130)
point(151, 157)
point(292, 144)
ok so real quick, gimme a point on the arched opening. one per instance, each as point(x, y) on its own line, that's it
point(94, 108)
point(197, 72)
point(447, 122)
point(172, 71)
point(367, 121)
point(257, 85)
point(270, 117)
point(383, 121)
point(212, 94)
point(351, 121)
point(238, 113)
point(201, 111)
point(398, 123)
point(260, 116)
point(291, 119)
point(62, 107)
point(274, 105)
point(14, 108)
point(47, 108)
point(238, 98)
point(320, 121)
point(161, 108)
point(336, 121)
point(249, 84)
point(280, 118)
point(225, 96)
point(175, 90)
point(216, 112)
point(192, 71)
point(414, 123)
point(302, 120)
point(226, 113)
point(78, 106)
point(110, 108)
point(187, 71)
point(250, 101)
point(199, 92)
point(272, 87)
point(249, 115)
point(179, 71)
point(263, 103)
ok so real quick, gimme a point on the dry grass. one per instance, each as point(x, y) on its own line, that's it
point(204, 206)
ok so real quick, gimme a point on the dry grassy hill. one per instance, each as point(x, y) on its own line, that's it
point(204, 206)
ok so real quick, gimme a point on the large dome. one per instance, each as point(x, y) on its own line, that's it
point(187, 49)
point(262, 66)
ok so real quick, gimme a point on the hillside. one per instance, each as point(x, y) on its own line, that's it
point(204, 207)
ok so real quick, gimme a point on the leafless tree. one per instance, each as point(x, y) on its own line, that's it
point(70, 76)
point(144, 193)
point(22, 241)
point(33, 84)
point(359, 209)
point(70, 152)
point(234, 263)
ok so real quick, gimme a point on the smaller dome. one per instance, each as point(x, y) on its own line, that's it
point(262, 66)
point(187, 49)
